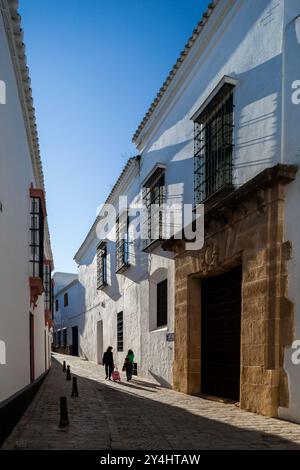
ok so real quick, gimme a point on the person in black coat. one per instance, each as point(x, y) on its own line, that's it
point(108, 362)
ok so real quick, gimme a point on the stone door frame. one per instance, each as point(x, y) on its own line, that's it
point(247, 228)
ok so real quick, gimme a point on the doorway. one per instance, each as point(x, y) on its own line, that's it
point(99, 341)
point(221, 334)
point(74, 340)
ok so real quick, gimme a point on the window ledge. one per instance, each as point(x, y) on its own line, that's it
point(122, 268)
point(150, 245)
point(102, 286)
point(159, 329)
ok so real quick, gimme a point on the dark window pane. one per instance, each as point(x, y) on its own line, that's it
point(162, 303)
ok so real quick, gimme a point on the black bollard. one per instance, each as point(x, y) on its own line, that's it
point(68, 373)
point(74, 388)
point(64, 366)
point(64, 419)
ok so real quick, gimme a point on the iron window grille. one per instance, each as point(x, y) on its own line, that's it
point(213, 145)
point(154, 197)
point(120, 332)
point(101, 266)
point(122, 242)
point(36, 238)
point(162, 303)
point(48, 287)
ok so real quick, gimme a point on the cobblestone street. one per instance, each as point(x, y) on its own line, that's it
point(139, 415)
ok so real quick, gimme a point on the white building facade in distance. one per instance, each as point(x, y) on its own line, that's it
point(68, 310)
point(25, 252)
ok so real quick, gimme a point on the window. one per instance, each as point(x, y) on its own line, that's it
point(101, 265)
point(64, 337)
point(36, 238)
point(120, 339)
point(162, 303)
point(122, 242)
point(56, 305)
point(48, 286)
point(213, 141)
point(154, 198)
point(66, 299)
point(59, 338)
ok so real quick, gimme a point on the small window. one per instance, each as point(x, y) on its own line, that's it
point(153, 199)
point(122, 242)
point(213, 142)
point(36, 238)
point(101, 265)
point(66, 299)
point(65, 337)
point(162, 303)
point(47, 286)
point(120, 338)
point(56, 305)
point(59, 338)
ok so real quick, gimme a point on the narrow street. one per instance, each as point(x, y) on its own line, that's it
point(139, 415)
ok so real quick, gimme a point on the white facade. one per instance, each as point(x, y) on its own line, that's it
point(130, 292)
point(20, 169)
point(68, 310)
point(256, 44)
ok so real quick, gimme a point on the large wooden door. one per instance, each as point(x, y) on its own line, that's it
point(220, 334)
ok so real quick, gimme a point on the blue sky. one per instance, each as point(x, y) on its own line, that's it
point(95, 68)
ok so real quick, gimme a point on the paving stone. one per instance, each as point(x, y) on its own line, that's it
point(139, 415)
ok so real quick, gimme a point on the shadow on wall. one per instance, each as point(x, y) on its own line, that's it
point(164, 383)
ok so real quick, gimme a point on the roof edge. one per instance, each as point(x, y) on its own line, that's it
point(196, 33)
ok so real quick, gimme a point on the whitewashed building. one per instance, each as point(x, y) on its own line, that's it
point(68, 309)
point(221, 132)
point(120, 283)
point(25, 251)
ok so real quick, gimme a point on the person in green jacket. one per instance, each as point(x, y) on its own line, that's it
point(130, 356)
point(129, 369)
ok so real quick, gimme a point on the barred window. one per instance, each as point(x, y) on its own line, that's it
point(58, 338)
point(120, 333)
point(162, 303)
point(56, 305)
point(66, 299)
point(154, 196)
point(65, 342)
point(36, 238)
point(48, 286)
point(213, 143)
point(101, 265)
point(122, 242)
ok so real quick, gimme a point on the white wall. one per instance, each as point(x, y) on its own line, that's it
point(291, 154)
point(16, 175)
point(243, 40)
point(127, 292)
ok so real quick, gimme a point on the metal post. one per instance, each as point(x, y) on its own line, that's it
point(68, 373)
point(64, 366)
point(64, 419)
point(75, 387)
